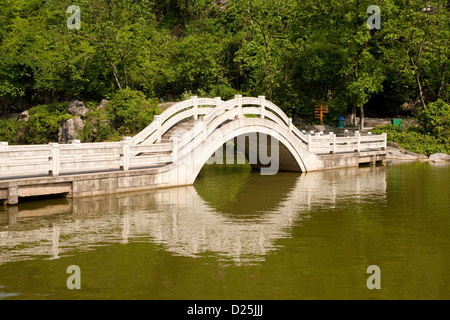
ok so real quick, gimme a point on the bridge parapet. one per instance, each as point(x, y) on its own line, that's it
point(330, 143)
point(55, 159)
point(193, 107)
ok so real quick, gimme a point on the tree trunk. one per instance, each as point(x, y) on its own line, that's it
point(419, 85)
point(416, 72)
point(353, 115)
point(124, 71)
point(361, 120)
point(441, 83)
point(114, 71)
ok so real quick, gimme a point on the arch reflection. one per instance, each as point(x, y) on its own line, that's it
point(243, 228)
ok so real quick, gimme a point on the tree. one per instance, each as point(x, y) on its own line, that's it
point(266, 25)
point(420, 38)
point(338, 61)
point(362, 71)
point(30, 64)
point(118, 28)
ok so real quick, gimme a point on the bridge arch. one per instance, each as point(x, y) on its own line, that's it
point(289, 155)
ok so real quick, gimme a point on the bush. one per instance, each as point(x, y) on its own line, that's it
point(8, 129)
point(414, 139)
point(422, 143)
point(127, 113)
point(130, 111)
point(44, 122)
point(98, 128)
point(436, 119)
point(224, 91)
point(392, 132)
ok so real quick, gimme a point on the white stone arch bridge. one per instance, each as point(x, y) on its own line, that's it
point(175, 146)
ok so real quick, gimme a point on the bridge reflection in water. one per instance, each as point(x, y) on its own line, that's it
point(237, 221)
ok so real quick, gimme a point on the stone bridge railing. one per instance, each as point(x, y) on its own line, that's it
point(192, 108)
point(314, 142)
point(331, 143)
point(57, 158)
point(145, 149)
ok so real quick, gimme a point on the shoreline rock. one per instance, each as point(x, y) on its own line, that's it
point(395, 153)
point(439, 157)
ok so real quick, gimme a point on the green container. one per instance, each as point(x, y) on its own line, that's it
point(340, 122)
point(397, 123)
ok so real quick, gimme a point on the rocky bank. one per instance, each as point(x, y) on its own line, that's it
point(396, 153)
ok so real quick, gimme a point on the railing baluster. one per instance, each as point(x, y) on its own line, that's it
point(54, 159)
point(334, 142)
point(125, 156)
point(3, 146)
point(263, 106)
point(240, 111)
point(310, 141)
point(158, 126)
point(358, 141)
point(174, 144)
point(195, 107)
point(204, 129)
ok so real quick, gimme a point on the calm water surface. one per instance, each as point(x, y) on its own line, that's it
point(238, 235)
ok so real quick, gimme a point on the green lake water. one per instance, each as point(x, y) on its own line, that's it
point(238, 235)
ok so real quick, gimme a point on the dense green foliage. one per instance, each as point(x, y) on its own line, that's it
point(130, 111)
point(42, 127)
point(127, 113)
point(432, 136)
point(98, 128)
point(436, 119)
point(9, 128)
point(297, 53)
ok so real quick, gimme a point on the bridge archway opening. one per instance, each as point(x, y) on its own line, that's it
point(255, 151)
point(266, 151)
